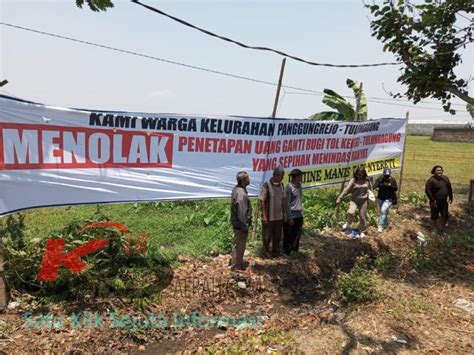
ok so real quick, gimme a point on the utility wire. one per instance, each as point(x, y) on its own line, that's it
point(414, 107)
point(154, 9)
point(303, 91)
point(380, 100)
point(159, 59)
point(467, 18)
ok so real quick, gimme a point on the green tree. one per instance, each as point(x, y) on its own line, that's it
point(95, 5)
point(345, 110)
point(426, 39)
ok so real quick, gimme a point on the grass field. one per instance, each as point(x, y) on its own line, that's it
point(167, 225)
point(199, 228)
point(422, 154)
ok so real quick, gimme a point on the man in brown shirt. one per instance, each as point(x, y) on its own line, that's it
point(274, 213)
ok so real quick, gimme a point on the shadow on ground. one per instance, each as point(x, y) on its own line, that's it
point(391, 346)
point(310, 277)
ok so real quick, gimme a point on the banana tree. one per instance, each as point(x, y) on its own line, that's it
point(345, 110)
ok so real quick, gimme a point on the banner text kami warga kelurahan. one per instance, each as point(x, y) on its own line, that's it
point(53, 156)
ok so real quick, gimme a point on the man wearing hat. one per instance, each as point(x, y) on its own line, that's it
point(274, 213)
point(293, 228)
point(386, 197)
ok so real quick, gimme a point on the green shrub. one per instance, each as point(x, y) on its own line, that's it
point(356, 286)
point(383, 263)
point(12, 231)
point(320, 208)
point(321, 212)
point(108, 270)
point(414, 198)
point(214, 217)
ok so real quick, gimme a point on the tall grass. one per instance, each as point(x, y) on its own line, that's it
point(422, 154)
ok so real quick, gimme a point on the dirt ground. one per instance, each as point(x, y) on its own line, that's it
point(284, 304)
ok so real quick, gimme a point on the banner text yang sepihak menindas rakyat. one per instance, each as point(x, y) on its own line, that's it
point(52, 156)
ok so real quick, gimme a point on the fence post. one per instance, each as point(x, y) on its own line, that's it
point(403, 162)
point(3, 288)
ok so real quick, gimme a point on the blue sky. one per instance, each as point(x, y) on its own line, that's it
point(62, 73)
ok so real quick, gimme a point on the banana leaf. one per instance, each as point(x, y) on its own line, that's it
point(327, 116)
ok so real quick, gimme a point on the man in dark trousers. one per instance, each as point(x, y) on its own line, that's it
point(241, 218)
point(273, 206)
point(439, 190)
point(293, 228)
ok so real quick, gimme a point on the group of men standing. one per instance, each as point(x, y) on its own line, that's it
point(282, 214)
point(282, 208)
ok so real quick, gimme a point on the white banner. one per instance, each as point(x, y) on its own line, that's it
point(53, 156)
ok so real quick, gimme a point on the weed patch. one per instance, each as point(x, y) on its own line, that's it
point(356, 286)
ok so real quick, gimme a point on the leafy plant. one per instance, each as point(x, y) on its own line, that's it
point(321, 213)
point(345, 110)
point(95, 5)
point(383, 262)
point(356, 286)
point(108, 270)
point(12, 231)
point(213, 215)
point(414, 198)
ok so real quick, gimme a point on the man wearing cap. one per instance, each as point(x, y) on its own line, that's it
point(294, 198)
point(274, 213)
point(386, 197)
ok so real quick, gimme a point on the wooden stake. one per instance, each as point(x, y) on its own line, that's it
point(356, 118)
point(403, 162)
point(275, 106)
point(280, 79)
point(3, 289)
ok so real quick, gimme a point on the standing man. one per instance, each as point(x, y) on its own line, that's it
point(294, 197)
point(273, 206)
point(241, 218)
point(386, 197)
point(439, 190)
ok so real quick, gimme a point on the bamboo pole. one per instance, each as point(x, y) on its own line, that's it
point(3, 289)
point(356, 118)
point(275, 106)
point(403, 161)
point(280, 79)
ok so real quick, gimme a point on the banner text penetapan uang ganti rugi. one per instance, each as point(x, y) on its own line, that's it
point(71, 156)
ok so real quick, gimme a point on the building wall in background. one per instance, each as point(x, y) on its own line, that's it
point(426, 129)
point(465, 135)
